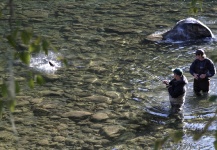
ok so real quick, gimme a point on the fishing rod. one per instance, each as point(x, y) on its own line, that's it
point(154, 76)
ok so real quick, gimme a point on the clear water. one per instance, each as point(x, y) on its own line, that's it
point(105, 43)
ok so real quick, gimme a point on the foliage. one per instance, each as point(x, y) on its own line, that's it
point(175, 136)
point(23, 43)
point(195, 6)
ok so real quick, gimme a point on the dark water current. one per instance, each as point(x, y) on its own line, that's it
point(111, 95)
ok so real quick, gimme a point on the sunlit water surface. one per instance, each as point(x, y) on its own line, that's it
point(139, 68)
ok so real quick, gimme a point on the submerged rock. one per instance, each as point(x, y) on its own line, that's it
point(100, 116)
point(77, 114)
point(112, 131)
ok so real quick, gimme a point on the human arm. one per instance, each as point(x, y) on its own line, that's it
point(192, 72)
point(211, 69)
point(167, 82)
point(176, 91)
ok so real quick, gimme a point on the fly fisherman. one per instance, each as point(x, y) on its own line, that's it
point(177, 90)
point(202, 68)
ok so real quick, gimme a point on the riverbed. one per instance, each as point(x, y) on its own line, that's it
point(110, 96)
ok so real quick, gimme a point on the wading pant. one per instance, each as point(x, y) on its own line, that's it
point(177, 103)
point(201, 85)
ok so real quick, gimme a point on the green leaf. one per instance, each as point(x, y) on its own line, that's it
point(63, 60)
point(17, 87)
point(195, 10)
point(4, 90)
point(53, 48)
point(25, 57)
point(45, 46)
point(177, 136)
point(1, 107)
point(31, 83)
point(213, 98)
point(197, 136)
point(12, 38)
point(37, 41)
point(159, 143)
point(12, 104)
point(34, 48)
point(26, 36)
point(193, 2)
point(14, 33)
point(39, 79)
point(11, 41)
point(215, 144)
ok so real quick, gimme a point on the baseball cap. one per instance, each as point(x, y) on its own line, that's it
point(200, 52)
point(178, 71)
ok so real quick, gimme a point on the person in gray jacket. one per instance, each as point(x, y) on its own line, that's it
point(177, 90)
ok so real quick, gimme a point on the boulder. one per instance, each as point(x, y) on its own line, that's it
point(188, 29)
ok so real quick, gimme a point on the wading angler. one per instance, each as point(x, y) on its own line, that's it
point(202, 69)
point(177, 90)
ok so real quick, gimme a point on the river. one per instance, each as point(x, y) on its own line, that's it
point(111, 95)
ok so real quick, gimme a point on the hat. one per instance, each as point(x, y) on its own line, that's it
point(200, 52)
point(178, 71)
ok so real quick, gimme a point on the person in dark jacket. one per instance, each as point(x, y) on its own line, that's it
point(177, 90)
point(202, 68)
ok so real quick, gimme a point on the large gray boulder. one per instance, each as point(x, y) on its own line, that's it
point(187, 30)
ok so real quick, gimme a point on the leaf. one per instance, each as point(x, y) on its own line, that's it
point(17, 87)
point(39, 79)
point(4, 90)
point(25, 57)
point(53, 48)
point(31, 83)
point(26, 36)
point(34, 48)
point(215, 144)
point(213, 98)
point(15, 32)
point(1, 107)
point(11, 41)
point(12, 104)
point(177, 136)
point(193, 2)
point(45, 45)
point(63, 60)
point(159, 143)
point(37, 41)
point(195, 10)
point(197, 136)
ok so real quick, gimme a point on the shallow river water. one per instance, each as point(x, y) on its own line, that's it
point(111, 95)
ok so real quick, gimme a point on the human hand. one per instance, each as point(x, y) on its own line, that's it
point(166, 82)
point(195, 75)
point(202, 76)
